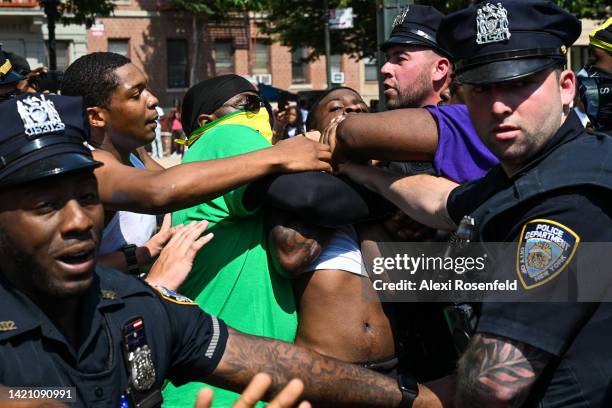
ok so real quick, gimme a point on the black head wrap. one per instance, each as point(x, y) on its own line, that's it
point(208, 96)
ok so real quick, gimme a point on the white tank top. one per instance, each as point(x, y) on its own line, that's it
point(127, 227)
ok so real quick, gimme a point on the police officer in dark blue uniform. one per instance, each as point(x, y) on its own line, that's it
point(61, 324)
point(549, 197)
point(65, 322)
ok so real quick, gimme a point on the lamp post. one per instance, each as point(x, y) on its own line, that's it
point(327, 44)
point(52, 13)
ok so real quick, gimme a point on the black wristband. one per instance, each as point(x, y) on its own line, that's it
point(409, 388)
point(130, 258)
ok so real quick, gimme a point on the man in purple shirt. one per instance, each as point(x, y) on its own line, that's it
point(417, 132)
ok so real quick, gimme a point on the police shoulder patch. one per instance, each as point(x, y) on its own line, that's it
point(172, 296)
point(545, 248)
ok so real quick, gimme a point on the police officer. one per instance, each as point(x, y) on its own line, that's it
point(67, 322)
point(595, 79)
point(9, 78)
point(549, 196)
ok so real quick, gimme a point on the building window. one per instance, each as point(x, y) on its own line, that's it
point(121, 47)
point(299, 66)
point(579, 57)
point(371, 69)
point(62, 53)
point(177, 64)
point(224, 57)
point(261, 59)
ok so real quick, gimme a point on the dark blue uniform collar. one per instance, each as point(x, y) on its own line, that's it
point(18, 314)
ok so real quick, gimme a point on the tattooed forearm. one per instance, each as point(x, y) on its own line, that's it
point(497, 372)
point(297, 244)
point(328, 382)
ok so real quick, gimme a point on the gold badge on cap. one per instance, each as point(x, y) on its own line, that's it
point(492, 24)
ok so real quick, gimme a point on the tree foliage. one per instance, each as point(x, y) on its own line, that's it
point(82, 11)
point(299, 23)
point(218, 9)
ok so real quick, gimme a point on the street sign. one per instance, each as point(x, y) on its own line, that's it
point(341, 18)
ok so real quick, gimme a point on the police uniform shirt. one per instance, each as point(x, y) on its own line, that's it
point(186, 343)
point(577, 335)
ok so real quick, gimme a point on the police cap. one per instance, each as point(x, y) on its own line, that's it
point(601, 37)
point(497, 41)
point(41, 136)
point(7, 73)
point(416, 25)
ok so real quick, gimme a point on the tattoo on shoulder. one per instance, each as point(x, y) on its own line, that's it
point(497, 371)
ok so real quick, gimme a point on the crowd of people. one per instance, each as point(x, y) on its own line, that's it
point(243, 270)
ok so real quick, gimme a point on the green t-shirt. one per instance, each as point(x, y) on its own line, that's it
point(232, 276)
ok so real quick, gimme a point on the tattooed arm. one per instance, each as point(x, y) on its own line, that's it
point(295, 243)
point(498, 372)
point(327, 382)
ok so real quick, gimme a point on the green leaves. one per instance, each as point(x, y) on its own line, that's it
point(298, 23)
point(218, 9)
point(83, 11)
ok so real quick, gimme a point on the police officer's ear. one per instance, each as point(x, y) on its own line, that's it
point(440, 69)
point(567, 87)
point(98, 117)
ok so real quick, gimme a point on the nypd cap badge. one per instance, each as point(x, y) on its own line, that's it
point(401, 16)
point(545, 248)
point(39, 116)
point(492, 24)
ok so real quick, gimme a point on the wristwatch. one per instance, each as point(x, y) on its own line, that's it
point(409, 388)
point(130, 258)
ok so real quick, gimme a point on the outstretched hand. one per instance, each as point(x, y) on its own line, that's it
point(255, 391)
point(328, 136)
point(299, 153)
point(176, 259)
point(158, 241)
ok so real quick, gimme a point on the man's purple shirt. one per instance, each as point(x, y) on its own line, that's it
point(461, 156)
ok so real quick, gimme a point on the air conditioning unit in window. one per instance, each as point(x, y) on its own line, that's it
point(337, 77)
point(265, 79)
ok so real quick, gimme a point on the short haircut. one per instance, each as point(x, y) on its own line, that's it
point(310, 119)
point(93, 77)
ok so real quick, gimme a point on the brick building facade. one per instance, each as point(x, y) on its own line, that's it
point(162, 42)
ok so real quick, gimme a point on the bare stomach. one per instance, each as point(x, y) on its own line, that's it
point(337, 318)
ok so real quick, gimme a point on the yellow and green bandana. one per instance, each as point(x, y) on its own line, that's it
point(259, 122)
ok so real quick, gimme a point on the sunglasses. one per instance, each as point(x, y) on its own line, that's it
point(249, 102)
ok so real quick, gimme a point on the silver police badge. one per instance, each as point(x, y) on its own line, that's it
point(492, 24)
point(39, 116)
point(545, 249)
point(399, 19)
point(142, 368)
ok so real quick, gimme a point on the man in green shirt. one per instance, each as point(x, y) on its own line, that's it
point(232, 277)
